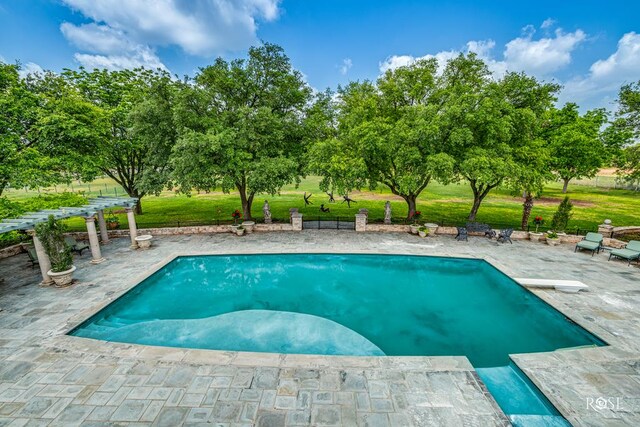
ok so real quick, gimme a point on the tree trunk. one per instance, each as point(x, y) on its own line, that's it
point(411, 203)
point(139, 206)
point(3, 185)
point(477, 200)
point(247, 201)
point(566, 184)
point(527, 206)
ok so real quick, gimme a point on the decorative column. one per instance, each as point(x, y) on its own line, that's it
point(43, 260)
point(606, 229)
point(361, 222)
point(93, 240)
point(133, 231)
point(296, 221)
point(104, 233)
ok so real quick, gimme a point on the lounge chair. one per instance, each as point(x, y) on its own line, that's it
point(630, 252)
point(33, 256)
point(505, 235)
point(462, 234)
point(75, 246)
point(592, 242)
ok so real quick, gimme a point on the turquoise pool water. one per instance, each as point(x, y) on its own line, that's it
point(391, 305)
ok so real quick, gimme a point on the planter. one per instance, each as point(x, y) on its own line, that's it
point(414, 228)
point(432, 228)
point(62, 279)
point(240, 231)
point(233, 228)
point(144, 241)
point(553, 242)
point(535, 237)
point(248, 225)
point(422, 233)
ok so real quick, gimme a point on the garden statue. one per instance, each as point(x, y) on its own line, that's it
point(266, 211)
point(323, 209)
point(387, 212)
point(348, 200)
point(331, 199)
point(306, 199)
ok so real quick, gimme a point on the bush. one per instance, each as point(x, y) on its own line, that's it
point(51, 234)
point(562, 216)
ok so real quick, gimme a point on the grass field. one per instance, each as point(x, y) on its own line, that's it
point(442, 204)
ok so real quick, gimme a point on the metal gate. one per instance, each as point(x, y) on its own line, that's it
point(328, 223)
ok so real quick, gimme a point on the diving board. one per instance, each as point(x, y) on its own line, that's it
point(569, 286)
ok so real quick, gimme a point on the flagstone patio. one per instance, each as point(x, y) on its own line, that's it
point(49, 378)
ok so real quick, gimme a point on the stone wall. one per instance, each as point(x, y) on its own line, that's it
point(12, 250)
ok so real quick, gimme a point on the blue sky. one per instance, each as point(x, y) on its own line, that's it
point(590, 47)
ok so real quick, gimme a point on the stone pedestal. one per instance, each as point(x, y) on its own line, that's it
point(133, 230)
point(43, 261)
point(361, 222)
point(96, 255)
point(296, 221)
point(292, 212)
point(104, 233)
point(606, 229)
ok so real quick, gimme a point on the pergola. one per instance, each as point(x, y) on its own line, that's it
point(94, 208)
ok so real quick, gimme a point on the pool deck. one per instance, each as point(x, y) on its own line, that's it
point(48, 378)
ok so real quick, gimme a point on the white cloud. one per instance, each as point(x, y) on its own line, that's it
point(542, 56)
point(346, 66)
point(199, 27)
point(599, 87)
point(548, 23)
point(110, 48)
point(30, 68)
point(534, 56)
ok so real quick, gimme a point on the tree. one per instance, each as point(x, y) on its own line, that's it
point(625, 131)
point(577, 147)
point(493, 127)
point(23, 158)
point(242, 126)
point(133, 131)
point(387, 133)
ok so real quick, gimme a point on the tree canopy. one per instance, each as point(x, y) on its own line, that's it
point(242, 126)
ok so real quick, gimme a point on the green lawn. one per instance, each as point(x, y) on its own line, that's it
point(442, 204)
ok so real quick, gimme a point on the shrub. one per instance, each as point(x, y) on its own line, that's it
point(562, 216)
point(552, 235)
point(51, 234)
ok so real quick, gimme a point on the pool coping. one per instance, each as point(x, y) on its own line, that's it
point(282, 360)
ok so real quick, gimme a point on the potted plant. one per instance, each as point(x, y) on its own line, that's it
point(423, 231)
point(236, 215)
point(415, 217)
point(535, 236)
point(552, 238)
point(561, 218)
point(51, 234)
point(240, 230)
point(113, 222)
point(432, 227)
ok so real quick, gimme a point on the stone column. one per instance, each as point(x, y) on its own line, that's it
point(133, 231)
point(292, 212)
point(43, 260)
point(93, 240)
point(606, 229)
point(104, 233)
point(361, 222)
point(296, 221)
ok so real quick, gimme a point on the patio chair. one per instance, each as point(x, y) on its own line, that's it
point(33, 256)
point(76, 246)
point(462, 234)
point(505, 235)
point(592, 242)
point(630, 252)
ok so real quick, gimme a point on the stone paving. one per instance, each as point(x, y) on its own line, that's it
point(49, 378)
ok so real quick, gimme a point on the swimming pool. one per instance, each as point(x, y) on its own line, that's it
point(394, 305)
point(361, 305)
